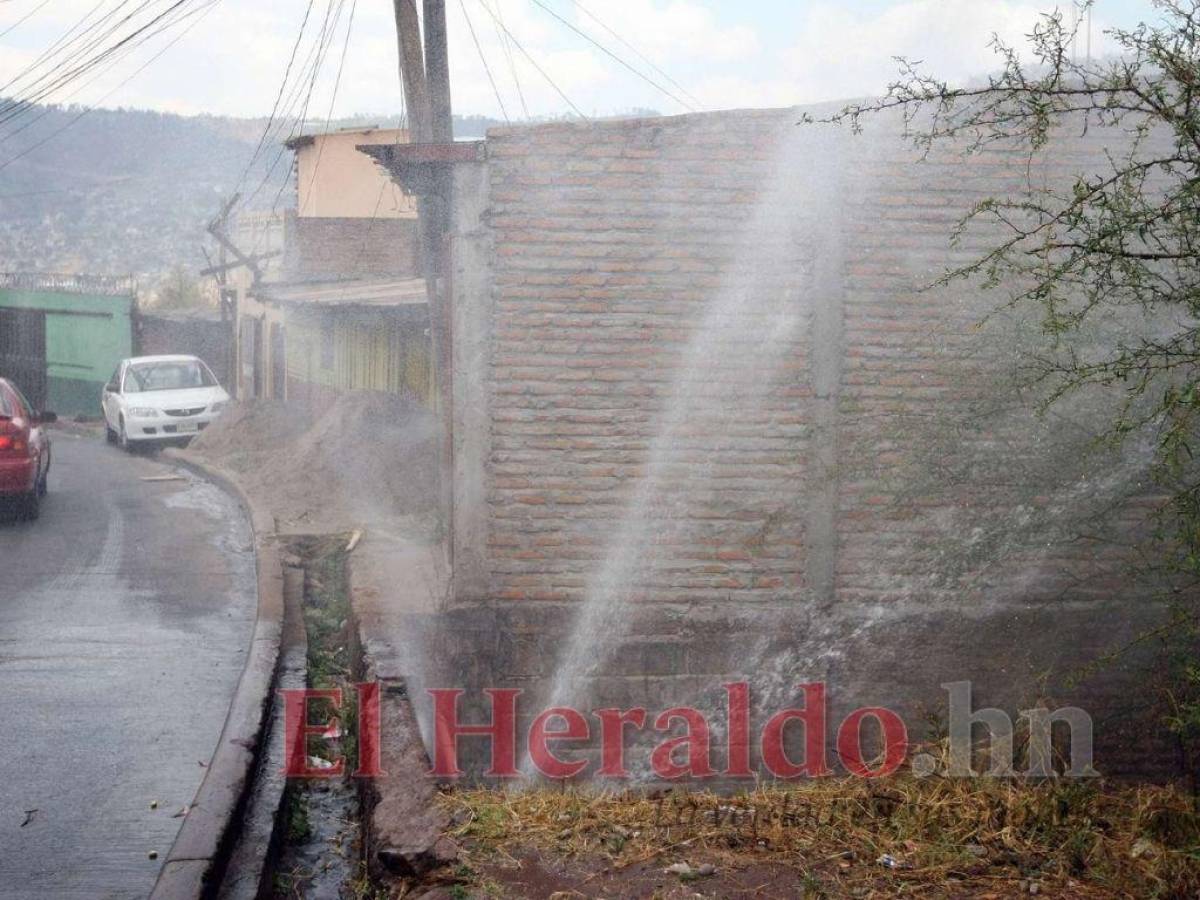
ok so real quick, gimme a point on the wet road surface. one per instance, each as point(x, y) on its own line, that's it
point(126, 612)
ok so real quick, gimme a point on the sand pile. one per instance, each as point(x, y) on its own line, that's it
point(371, 459)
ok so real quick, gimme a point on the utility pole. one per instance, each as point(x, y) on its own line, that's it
point(437, 71)
point(412, 70)
point(425, 74)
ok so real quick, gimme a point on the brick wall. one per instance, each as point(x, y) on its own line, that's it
point(870, 501)
point(331, 247)
point(204, 336)
point(610, 241)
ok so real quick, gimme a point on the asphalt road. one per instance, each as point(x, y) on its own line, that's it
point(126, 613)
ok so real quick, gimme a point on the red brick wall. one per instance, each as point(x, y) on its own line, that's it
point(610, 238)
point(328, 247)
point(887, 514)
point(951, 487)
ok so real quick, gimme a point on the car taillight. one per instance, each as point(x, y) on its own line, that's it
point(14, 440)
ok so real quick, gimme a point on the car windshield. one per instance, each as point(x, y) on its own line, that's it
point(168, 376)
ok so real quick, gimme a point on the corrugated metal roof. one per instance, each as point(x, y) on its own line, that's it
point(347, 292)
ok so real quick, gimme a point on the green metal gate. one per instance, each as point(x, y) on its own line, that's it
point(61, 336)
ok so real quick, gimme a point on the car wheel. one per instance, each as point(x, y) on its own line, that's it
point(109, 434)
point(30, 505)
point(123, 438)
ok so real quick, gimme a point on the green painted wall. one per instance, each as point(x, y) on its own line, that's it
point(86, 336)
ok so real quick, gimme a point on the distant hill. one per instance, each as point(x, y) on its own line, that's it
point(130, 191)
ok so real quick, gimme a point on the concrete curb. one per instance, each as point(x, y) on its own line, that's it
point(195, 857)
point(245, 875)
point(404, 831)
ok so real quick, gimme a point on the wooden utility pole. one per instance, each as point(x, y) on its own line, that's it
point(437, 71)
point(412, 70)
point(425, 74)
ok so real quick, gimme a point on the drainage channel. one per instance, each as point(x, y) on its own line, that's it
point(301, 837)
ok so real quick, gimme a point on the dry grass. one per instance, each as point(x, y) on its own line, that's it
point(1073, 838)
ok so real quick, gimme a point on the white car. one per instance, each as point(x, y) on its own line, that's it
point(154, 399)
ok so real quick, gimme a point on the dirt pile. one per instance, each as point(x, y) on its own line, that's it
point(371, 459)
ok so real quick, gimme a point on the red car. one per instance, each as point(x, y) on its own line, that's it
point(24, 450)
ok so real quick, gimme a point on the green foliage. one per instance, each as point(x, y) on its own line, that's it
point(299, 828)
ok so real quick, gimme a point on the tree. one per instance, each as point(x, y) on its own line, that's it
point(179, 289)
point(1112, 264)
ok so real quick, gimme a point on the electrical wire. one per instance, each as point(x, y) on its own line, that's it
point(45, 110)
point(49, 51)
point(533, 62)
point(79, 45)
point(278, 97)
point(507, 45)
point(587, 37)
point(84, 43)
point(483, 59)
point(333, 98)
point(82, 68)
point(23, 18)
point(203, 12)
point(587, 12)
point(320, 49)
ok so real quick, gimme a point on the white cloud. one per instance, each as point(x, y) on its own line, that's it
point(843, 55)
point(675, 31)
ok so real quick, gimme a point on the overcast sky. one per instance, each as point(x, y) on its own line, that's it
point(723, 53)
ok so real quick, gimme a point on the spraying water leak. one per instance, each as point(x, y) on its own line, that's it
point(742, 364)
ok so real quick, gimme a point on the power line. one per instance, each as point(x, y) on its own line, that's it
point(279, 96)
point(49, 51)
point(203, 12)
point(320, 49)
point(21, 109)
point(23, 18)
point(81, 44)
point(587, 37)
point(313, 63)
point(483, 60)
point(333, 98)
point(45, 110)
point(512, 65)
point(533, 62)
point(591, 15)
point(91, 63)
point(86, 43)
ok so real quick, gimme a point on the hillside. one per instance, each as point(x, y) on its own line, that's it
point(130, 191)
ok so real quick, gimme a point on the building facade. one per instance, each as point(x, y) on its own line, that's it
point(339, 312)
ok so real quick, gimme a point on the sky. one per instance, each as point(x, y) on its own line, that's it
point(514, 58)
